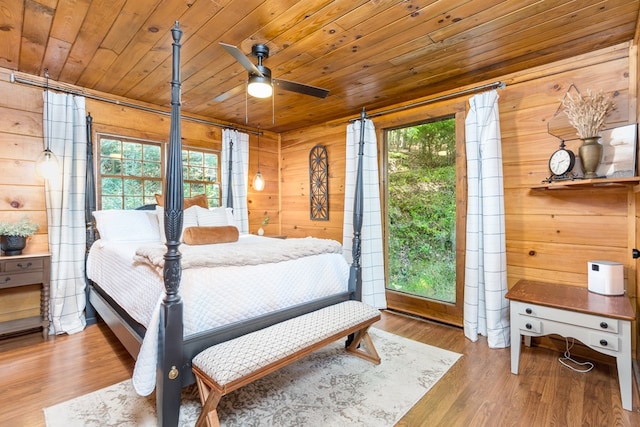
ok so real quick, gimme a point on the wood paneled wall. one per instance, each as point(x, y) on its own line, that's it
point(21, 141)
point(550, 234)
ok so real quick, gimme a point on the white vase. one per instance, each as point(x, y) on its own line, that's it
point(260, 231)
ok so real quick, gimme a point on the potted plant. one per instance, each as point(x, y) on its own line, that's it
point(14, 235)
point(586, 114)
point(264, 222)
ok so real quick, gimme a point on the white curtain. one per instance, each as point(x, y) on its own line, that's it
point(372, 255)
point(486, 311)
point(236, 145)
point(64, 125)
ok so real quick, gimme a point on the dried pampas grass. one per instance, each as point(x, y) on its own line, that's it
point(587, 112)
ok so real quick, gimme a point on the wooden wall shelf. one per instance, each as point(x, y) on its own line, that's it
point(590, 183)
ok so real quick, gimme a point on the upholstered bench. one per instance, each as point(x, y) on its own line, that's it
point(227, 366)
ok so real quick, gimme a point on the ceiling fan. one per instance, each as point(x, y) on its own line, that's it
point(260, 82)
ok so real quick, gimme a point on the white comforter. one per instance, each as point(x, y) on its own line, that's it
point(212, 296)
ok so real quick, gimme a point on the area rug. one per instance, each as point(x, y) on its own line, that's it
point(327, 388)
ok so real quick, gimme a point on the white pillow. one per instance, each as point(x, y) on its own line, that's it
point(189, 219)
point(214, 216)
point(126, 225)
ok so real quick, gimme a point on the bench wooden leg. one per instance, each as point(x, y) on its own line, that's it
point(209, 415)
point(366, 351)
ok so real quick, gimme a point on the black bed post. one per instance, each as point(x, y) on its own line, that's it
point(89, 207)
point(168, 380)
point(229, 182)
point(355, 274)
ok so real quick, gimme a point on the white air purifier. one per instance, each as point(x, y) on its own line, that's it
point(605, 277)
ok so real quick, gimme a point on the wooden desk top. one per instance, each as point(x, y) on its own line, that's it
point(572, 298)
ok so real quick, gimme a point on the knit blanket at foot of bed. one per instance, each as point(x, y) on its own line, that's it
point(248, 250)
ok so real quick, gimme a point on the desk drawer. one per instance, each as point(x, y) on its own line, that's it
point(591, 321)
point(604, 341)
point(19, 265)
point(19, 279)
point(530, 324)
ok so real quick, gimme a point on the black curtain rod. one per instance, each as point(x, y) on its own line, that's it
point(499, 85)
point(16, 79)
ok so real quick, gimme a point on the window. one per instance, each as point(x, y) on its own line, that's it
point(200, 174)
point(130, 172)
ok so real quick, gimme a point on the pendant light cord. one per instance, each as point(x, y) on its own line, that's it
point(48, 138)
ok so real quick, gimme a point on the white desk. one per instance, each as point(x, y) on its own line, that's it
point(601, 322)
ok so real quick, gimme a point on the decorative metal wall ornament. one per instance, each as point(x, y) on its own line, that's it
point(319, 183)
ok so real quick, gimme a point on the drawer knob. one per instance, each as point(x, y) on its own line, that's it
point(528, 326)
point(603, 343)
point(529, 311)
point(604, 325)
point(6, 279)
point(20, 265)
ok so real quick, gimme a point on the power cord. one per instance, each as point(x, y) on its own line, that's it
point(567, 358)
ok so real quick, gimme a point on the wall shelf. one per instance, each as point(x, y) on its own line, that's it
point(578, 184)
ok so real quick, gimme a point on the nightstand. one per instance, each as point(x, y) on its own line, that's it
point(25, 270)
point(601, 322)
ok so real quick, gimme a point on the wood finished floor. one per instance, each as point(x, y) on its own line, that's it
point(478, 391)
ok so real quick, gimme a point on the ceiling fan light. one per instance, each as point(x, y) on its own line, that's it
point(260, 87)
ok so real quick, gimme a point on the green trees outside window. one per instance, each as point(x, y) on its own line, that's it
point(130, 173)
point(422, 210)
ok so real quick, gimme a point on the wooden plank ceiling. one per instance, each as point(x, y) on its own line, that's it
point(367, 53)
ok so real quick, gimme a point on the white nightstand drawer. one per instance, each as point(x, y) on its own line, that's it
point(590, 321)
point(530, 324)
point(611, 342)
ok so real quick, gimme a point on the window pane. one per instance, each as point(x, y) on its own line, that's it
point(132, 150)
point(197, 188)
point(111, 202)
point(195, 173)
point(110, 166)
point(211, 160)
point(195, 158)
point(110, 148)
point(132, 168)
point(211, 174)
point(152, 187)
point(151, 170)
point(112, 186)
point(151, 153)
point(132, 202)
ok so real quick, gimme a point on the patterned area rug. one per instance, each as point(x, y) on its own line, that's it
point(327, 388)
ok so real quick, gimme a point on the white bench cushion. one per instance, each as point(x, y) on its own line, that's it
point(237, 358)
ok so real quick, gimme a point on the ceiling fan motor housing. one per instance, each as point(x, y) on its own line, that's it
point(260, 51)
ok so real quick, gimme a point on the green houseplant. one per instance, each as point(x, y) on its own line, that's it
point(264, 222)
point(14, 235)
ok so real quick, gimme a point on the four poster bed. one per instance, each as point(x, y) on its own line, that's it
point(172, 330)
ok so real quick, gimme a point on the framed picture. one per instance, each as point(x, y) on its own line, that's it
point(619, 152)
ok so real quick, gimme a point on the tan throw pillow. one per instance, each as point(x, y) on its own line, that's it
point(199, 200)
point(211, 234)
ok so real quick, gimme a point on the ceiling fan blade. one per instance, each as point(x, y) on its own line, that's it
point(231, 92)
point(300, 88)
point(241, 58)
